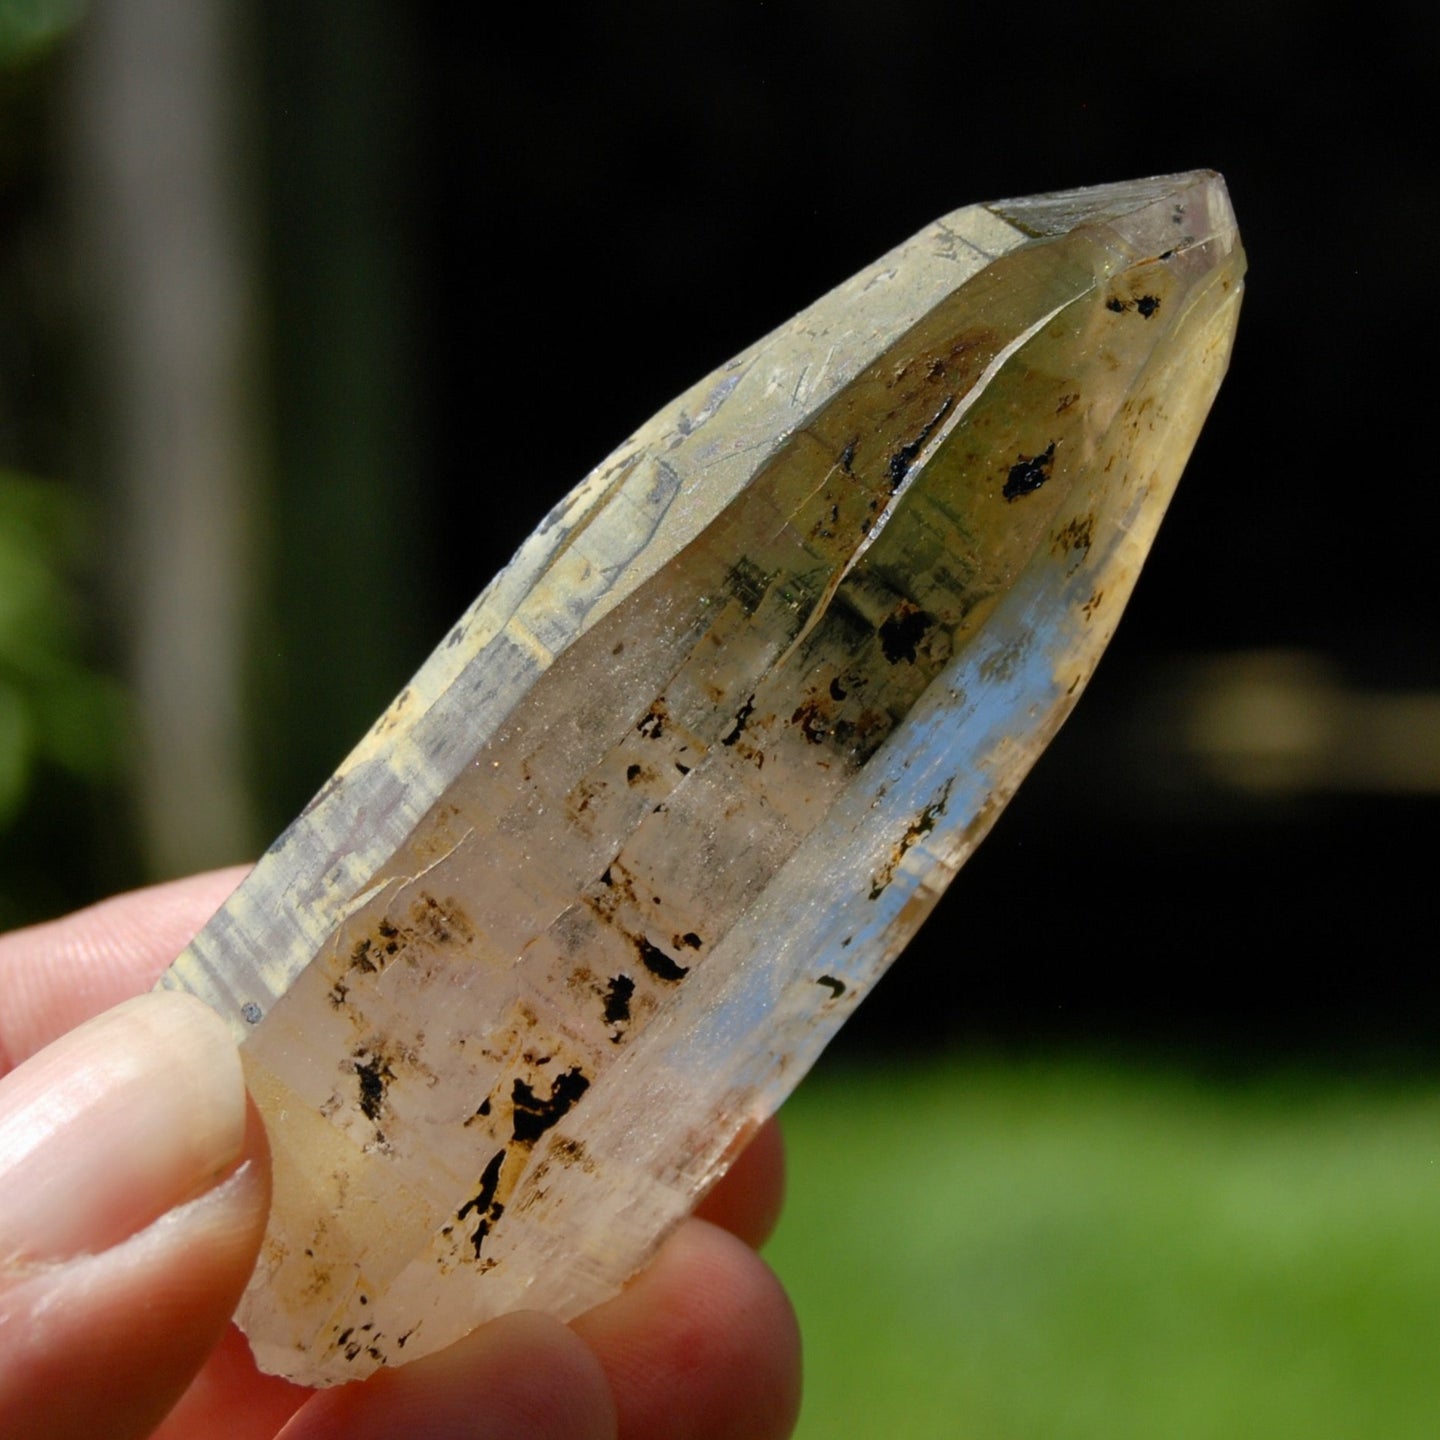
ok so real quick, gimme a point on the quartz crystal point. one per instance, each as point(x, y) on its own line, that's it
point(587, 902)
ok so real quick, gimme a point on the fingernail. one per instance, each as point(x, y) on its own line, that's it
point(117, 1122)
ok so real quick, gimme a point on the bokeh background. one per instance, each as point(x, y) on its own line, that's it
point(310, 310)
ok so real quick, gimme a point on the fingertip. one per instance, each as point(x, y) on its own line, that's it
point(704, 1342)
point(748, 1199)
point(106, 1344)
point(524, 1374)
point(57, 974)
point(131, 1114)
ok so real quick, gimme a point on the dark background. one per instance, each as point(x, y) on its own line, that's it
point(625, 202)
point(599, 205)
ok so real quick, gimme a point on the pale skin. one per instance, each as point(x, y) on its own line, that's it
point(133, 1201)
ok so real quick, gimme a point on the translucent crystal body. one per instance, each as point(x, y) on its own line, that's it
point(595, 891)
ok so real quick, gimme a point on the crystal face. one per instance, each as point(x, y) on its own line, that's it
point(595, 891)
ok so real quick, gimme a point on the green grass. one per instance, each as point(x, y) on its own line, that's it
point(1070, 1251)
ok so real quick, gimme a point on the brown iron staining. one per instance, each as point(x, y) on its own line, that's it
point(902, 459)
point(861, 737)
point(652, 723)
point(531, 1115)
point(428, 923)
point(566, 1150)
point(376, 1066)
point(616, 903)
point(822, 716)
point(1001, 664)
point(374, 1074)
point(617, 999)
point(1076, 534)
point(1029, 473)
point(1145, 306)
point(372, 955)
point(813, 717)
point(742, 717)
point(587, 791)
point(921, 826)
point(439, 834)
point(747, 582)
point(612, 895)
point(617, 996)
point(901, 404)
point(905, 630)
point(353, 1340)
point(658, 963)
point(486, 1207)
point(439, 924)
point(396, 713)
point(870, 656)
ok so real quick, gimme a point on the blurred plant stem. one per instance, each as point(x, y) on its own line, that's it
point(230, 163)
point(168, 276)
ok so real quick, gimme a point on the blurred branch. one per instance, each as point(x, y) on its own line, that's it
point(1287, 722)
point(166, 272)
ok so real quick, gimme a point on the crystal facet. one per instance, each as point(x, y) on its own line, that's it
point(592, 895)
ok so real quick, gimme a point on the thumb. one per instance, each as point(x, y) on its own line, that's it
point(133, 1192)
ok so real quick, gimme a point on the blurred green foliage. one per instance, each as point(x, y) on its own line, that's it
point(1090, 1252)
point(30, 27)
point(63, 835)
point(60, 718)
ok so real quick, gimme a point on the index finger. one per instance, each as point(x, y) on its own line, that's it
point(55, 975)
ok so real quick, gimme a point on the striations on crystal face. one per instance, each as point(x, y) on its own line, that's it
point(592, 895)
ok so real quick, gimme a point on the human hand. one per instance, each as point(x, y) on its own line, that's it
point(134, 1187)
